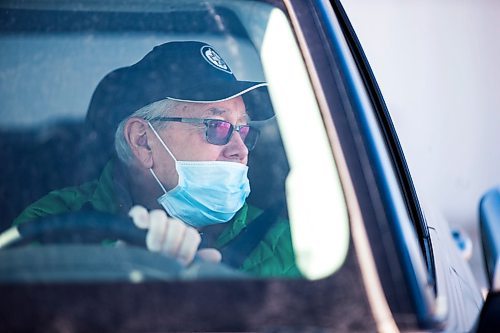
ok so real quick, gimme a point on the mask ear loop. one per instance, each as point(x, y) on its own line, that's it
point(168, 150)
point(157, 180)
point(161, 141)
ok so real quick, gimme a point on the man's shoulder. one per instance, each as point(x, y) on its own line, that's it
point(98, 193)
point(58, 202)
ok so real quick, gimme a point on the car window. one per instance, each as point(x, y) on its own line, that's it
point(56, 54)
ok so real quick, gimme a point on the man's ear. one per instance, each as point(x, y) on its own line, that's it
point(136, 136)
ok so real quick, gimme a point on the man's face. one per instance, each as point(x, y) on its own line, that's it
point(188, 142)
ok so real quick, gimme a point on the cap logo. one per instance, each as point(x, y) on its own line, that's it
point(214, 59)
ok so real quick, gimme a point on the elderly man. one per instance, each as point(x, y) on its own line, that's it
point(182, 139)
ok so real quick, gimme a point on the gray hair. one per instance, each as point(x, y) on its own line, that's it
point(148, 112)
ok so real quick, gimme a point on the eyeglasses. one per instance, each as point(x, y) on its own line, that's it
point(219, 132)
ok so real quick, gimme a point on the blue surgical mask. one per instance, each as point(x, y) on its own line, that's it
point(208, 192)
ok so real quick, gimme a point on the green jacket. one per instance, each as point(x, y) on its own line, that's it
point(273, 256)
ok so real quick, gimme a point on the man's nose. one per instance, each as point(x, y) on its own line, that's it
point(236, 149)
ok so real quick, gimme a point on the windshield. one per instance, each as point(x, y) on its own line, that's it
point(143, 132)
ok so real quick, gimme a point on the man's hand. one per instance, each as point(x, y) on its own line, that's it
point(171, 236)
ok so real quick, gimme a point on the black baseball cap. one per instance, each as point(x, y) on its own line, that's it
point(188, 71)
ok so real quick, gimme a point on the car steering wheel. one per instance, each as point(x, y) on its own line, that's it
point(82, 227)
point(73, 250)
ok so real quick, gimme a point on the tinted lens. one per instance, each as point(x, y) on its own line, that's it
point(218, 131)
point(244, 130)
point(249, 136)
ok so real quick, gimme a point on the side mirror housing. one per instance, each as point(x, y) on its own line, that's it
point(489, 225)
point(489, 220)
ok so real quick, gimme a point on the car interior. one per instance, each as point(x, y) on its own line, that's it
point(44, 138)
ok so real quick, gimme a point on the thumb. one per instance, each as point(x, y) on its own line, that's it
point(140, 216)
point(209, 254)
